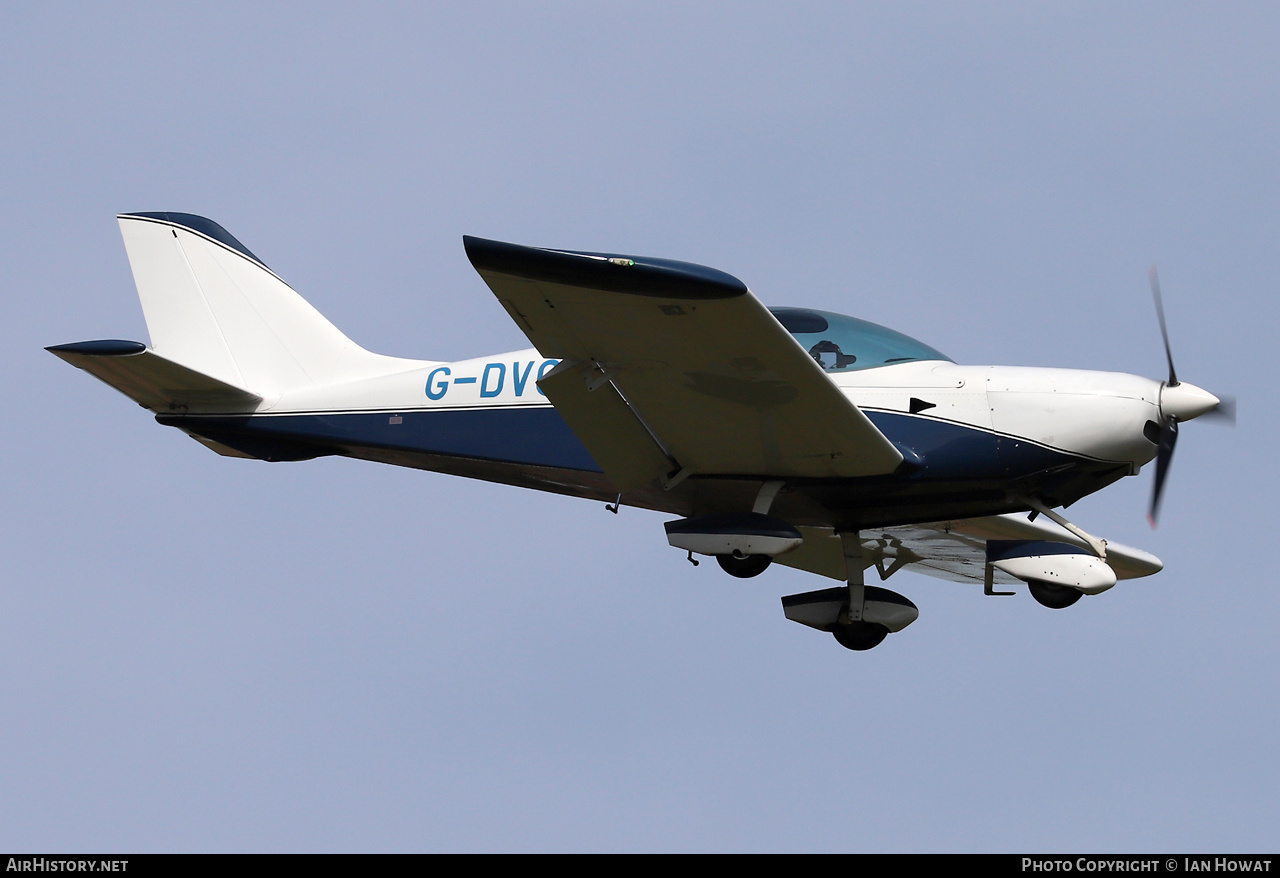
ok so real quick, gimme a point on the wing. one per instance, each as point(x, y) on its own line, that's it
point(953, 550)
point(670, 369)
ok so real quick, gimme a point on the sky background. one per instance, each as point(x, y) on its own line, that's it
point(208, 654)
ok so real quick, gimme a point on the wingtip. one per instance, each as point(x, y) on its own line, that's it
point(107, 347)
point(604, 272)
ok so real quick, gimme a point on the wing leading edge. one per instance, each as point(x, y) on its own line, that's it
point(671, 369)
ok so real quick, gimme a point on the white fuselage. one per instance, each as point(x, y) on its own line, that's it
point(1100, 415)
point(1096, 414)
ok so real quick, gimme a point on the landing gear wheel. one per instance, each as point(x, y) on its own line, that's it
point(1053, 596)
point(745, 567)
point(859, 636)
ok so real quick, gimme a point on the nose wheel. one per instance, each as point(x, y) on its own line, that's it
point(859, 636)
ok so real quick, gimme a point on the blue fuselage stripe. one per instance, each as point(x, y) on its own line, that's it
point(539, 436)
point(528, 435)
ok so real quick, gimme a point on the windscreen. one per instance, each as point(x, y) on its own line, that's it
point(847, 344)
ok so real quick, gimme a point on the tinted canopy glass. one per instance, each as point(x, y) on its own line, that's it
point(846, 344)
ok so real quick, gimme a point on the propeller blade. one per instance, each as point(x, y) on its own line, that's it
point(1154, 277)
point(1164, 457)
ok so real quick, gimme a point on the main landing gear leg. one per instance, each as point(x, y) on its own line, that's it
point(852, 631)
point(746, 566)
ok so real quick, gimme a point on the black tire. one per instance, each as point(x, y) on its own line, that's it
point(1053, 596)
point(859, 636)
point(745, 567)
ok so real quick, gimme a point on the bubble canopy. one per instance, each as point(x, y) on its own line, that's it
point(847, 344)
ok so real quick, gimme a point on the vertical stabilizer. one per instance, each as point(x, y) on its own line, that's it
point(214, 307)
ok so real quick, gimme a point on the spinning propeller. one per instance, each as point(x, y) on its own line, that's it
point(1178, 402)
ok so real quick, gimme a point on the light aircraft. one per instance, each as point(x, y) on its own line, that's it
point(819, 441)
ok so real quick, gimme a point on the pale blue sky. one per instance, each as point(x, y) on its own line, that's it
point(199, 653)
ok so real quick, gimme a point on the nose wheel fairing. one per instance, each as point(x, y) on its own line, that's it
point(859, 616)
point(855, 625)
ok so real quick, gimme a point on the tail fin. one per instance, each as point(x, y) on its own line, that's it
point(215, 308)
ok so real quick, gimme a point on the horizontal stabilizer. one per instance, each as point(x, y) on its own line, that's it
point(152, 381)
